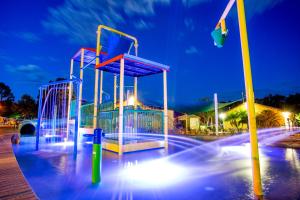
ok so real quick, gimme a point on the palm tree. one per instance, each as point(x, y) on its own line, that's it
point(243, 118)
point(297, 119)
point(233, 119)
point(237, 119)
point(267, 119)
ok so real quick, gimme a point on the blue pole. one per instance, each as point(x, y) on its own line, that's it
point(39, 121)
point(76, 119)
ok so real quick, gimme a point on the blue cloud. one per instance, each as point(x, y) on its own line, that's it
point(253, 7)
point(192, 50)
point(28, 36)
point(190, 3)
point(25, 36)
point(78, 20)
point(189, 23)
point(143, 7)
point(142, 24)
point(27, 73)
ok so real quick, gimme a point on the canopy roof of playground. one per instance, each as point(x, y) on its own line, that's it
point(209, 107)
point(133, 65)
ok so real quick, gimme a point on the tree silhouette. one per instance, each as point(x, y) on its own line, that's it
point(6, 100)
point(6, 94)
point(27, 107)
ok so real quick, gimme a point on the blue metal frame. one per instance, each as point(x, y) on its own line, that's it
point(76, 120)
point(78, 82)
point(39, 122)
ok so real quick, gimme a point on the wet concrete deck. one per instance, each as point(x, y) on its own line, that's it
point(13, 184)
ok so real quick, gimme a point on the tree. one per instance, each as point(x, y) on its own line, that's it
point(6, 94)
point(268, 119)
point(58, 79)
point(293, 103)
point(243, 115)
point(6, 100)
point(237, 119)
point(297, 119)
point(27, 107)
point(277, 101)
point(206, 118)
point(290, 103)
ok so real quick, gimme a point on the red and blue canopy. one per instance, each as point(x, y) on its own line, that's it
point(133, 65)
point(117, 48)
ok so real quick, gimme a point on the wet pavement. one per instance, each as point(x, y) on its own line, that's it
point(188, 170)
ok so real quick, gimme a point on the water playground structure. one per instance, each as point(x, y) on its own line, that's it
point(127, 125)
point(130, 127)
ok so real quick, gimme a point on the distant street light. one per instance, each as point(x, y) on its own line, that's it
point(222, 116)
point(286, 116)
point(219, 35)
point(131, 101)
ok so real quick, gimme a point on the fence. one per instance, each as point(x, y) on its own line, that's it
point(136, 123)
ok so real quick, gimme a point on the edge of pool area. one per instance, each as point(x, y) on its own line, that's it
point(13, 184)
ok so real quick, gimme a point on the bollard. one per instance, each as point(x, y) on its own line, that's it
point(97, 156)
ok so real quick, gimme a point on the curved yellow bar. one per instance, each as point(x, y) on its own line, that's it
point(120, 33)
point(99, 47)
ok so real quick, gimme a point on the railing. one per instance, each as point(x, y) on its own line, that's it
point(143, 121)
point(86, 116)
point(87, 111)
point(135, 122)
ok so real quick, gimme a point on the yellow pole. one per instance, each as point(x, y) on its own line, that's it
point(96, 81)
point(101, 87)
point(80, 87)
point(257, 187)
point(223, 26)
point(70, 97)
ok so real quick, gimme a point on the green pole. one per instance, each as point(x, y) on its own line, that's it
point(97, 156)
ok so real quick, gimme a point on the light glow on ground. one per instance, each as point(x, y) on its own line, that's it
point(159, 172)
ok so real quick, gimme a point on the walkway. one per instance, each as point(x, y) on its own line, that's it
point(13, 184)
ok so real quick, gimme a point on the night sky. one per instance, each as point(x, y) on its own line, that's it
point(38, 38)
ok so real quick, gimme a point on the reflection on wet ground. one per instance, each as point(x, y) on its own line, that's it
point(190, 169)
